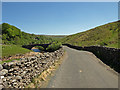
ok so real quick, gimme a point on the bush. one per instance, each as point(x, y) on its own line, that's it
point(40, 48)
point(53, 47)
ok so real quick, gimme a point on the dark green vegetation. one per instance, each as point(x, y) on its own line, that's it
point(105, 35)
point(56, 36)
point(50, 48)
point(13, 35)
point(53, 47)
point(9, 50)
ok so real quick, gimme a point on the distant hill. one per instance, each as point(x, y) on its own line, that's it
point(105, 35)
point(13, 35)
point(56, 36)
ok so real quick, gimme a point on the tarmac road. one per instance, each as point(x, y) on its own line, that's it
point(81, 69)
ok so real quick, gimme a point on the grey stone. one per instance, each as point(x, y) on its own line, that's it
point(1, 67)
point(18, 77)
point(33, 58)
point(14, 80)
point(43, 61)
point(11, 64)
point(3, 72)
point(4, 79)
point(47, 55)
point(10, 74)
point(5, 66)
point(24, 72)
point(15, 85)
point(5, 84)
point(16, 70)
point(11, 70)
point(18, 63)
point(9, 78)
point(1, 81)
point(1, 86)
point(1, 77)
point(38, 55)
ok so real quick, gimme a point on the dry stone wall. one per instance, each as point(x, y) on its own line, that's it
point(19, 73)
point(110, 56)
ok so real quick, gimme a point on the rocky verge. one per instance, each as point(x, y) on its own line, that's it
point(18, 74)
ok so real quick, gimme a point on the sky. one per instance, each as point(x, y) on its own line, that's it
point(60, 0)
point(58, 18)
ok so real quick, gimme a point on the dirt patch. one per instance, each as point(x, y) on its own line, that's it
point(18, 56)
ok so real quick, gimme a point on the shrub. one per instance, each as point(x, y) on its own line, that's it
point(53, 47)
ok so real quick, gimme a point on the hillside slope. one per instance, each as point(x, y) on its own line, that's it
point(105, 35)
point(13, 35)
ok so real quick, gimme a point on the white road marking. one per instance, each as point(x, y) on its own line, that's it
point(80, 70)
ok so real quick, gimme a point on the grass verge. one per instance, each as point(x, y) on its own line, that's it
point(6, 61)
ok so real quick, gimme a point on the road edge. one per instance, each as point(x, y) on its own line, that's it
point(103, 64)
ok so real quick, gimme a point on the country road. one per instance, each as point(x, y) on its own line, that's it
point(81, 69)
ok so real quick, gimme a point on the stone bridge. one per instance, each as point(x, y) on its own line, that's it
point(33, 45)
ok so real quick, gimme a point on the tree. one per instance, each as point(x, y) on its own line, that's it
point(10, 32)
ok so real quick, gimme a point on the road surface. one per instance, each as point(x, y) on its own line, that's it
point(81, 69)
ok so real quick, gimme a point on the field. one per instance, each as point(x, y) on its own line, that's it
point(9, 50)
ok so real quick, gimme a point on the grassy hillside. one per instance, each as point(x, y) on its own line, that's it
point(105, 35)
point(56, 36)
point(13, 35)
point(13, 38)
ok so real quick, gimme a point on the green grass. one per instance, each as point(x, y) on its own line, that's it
point(0, 50)
point(9, 50)
point(105, 35)
point(6, 61)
